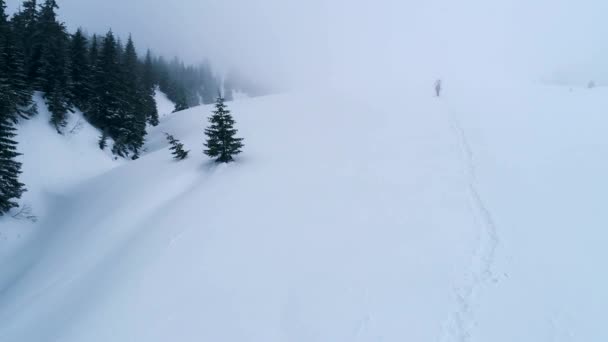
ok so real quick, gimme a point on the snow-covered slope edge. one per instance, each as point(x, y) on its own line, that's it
point(53, 165)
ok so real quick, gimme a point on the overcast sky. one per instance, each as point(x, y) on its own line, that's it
point(297, 42)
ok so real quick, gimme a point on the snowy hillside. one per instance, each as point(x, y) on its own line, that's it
point(164, 105)
point(474, 217)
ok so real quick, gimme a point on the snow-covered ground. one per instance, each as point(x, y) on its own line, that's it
point(163, 104)
point(53, 166)
point(541, 162)
point(474, 217)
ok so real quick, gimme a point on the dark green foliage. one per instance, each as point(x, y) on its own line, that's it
point(53, 72)
point(10, 187)
point(120, 102)
point(102, 77)
point(181, 102)
point(103, 141)
point(15, 96)
point(221, 141)
point(107, 108)
point(186, 86)
point(93, 54)
point(25, 23)
point(149, 88)
point(177, 148)
point(134, 96)
point(57, 103)
point(80, 71)
point(12, 75)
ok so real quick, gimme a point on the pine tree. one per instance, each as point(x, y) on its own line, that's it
point(53, 74)
point(149, 88)
point(25, 24)
point(105, 111)
point(134, 115)
point(177, 148)
point(103, 141)
point(179, 96)
point(221, 141)
point(10, 187)
point(12, 75)
point(80, 71)
point(94, 52)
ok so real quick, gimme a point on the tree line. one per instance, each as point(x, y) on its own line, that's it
point(103, 77)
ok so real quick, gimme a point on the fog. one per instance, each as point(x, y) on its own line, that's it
point(300, 43)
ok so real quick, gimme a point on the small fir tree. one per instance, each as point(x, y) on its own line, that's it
point(177, 148)
point(221, 141)
point(103, 140)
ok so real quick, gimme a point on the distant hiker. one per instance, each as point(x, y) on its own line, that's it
point(438, 88)
point(591, 85)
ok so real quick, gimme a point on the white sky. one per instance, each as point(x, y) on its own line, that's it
point(298, 42)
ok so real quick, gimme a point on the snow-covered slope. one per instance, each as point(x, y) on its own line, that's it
point(474, 217)
point(540, 155)
point(163, 104)
point(53, 165)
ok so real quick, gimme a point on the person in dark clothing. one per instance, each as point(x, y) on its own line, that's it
point(438, 88)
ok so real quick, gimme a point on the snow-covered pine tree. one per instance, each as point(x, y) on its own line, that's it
point(221, 141)
point(177, 148)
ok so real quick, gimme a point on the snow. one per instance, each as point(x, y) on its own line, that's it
point(474, 217)
point(163, 104)
point(540, 161)
point(53, 165)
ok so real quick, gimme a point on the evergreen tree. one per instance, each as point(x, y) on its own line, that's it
point(149, 87)
point(12, 76)
point(10, 96)
point(10, 187)
point(133, 125)
point(179, 96)
point(25, 24)
point(53, 74)
point(107, 87)
point(80, 71)
point(221, 141)
point(177, 148)
point(93, 53)
point(103, 141)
